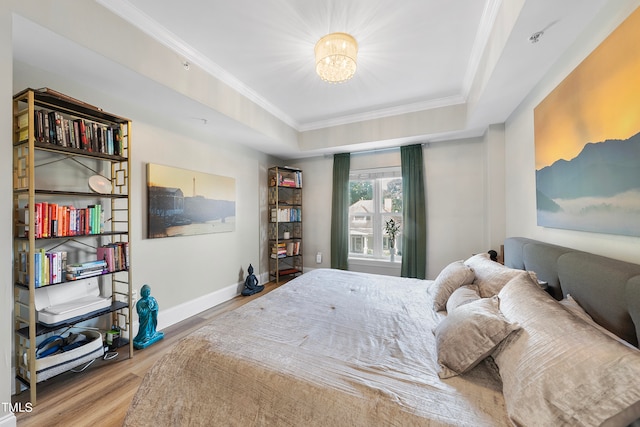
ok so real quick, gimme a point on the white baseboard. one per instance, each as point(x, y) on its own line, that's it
point(176, 314)
point(8, 420)
point(183, 311)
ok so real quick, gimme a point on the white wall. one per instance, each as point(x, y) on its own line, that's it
point(457, 191)
point(317, 181)
point(519, 152)
point(6, 283)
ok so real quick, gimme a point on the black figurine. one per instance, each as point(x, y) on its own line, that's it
point(251, 284)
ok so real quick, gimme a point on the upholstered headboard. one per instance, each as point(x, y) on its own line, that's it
point(608, 289)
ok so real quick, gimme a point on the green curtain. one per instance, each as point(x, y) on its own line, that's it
point(340, 212)
point(414, 215)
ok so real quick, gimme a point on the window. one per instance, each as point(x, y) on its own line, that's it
point(375, 197)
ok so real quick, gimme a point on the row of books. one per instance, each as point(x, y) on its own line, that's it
point(293, 248)
point(49, 267)
point(279, 250)
point(290, 179)
point(54, 128)
point(283, 250)
point(116, 255)
point(54, 220)
point(86, 269)
point(286, 215)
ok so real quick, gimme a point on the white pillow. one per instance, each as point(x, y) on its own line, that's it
point(450, 278)
point(491, 276)
point(469, 334)
point(463, 295)
point(558, 370)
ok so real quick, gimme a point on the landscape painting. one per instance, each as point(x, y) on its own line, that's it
point(587, 141)
point(183, 202)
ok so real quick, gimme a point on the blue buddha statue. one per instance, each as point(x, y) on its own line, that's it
point(251, 283)
point(147, 308)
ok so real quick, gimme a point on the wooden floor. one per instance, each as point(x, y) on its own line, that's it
point(101, 394)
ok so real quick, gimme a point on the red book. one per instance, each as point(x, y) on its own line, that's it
point(53, 220)
point(107, 253)
point(83, 135)
point(46, 228)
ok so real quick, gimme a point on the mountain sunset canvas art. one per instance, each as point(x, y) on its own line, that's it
point(587, 141)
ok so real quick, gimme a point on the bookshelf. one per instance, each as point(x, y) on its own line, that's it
point(285, 223)
point(70, 229)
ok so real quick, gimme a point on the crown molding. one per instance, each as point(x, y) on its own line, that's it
point(384, 112)
point(145, 23)
point(487, 22)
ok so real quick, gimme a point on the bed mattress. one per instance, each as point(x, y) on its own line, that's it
point(328, 348)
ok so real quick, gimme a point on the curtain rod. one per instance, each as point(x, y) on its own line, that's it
point(380, 150)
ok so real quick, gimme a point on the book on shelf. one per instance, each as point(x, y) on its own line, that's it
point(115, 255)
point(23, 119)
point(22, 123)
point(49, 267)
point(68, 131)
point(286, 214)
point(279, 250)
point(53, 220)
point(290, 179)
point(282, 249)
point(86, 269)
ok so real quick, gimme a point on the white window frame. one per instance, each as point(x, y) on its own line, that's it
point(378, 215)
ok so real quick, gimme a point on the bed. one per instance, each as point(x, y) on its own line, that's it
point(481, 345)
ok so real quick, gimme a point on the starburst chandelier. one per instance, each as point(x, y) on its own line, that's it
point(336, 57)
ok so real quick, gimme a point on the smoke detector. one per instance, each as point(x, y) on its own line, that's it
point(535, 37)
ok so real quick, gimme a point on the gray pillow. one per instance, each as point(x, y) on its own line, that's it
point(491, 276)
point(559, 370)
point(450, 278)
point(469, 334)
point(461, 296)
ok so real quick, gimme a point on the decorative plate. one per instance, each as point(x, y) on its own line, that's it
point(100, 184)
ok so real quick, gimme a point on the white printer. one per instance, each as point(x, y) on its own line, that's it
point(67, 302)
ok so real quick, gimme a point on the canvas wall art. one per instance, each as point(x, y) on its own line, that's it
point(183, 202)
point(587, 141)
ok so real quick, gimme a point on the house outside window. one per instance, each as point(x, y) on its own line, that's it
point(375, 197)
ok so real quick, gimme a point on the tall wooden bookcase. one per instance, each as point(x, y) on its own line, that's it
point(71, 205)
point(285, 223)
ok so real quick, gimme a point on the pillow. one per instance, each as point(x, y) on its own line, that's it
point(491, 276)
point(469, 334)
point(450, 278)
point(558, 370)
point(462, 295)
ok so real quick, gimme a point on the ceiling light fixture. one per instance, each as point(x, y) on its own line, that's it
point(336, 57)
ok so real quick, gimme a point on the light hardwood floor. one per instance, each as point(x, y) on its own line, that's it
point(101, 394)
